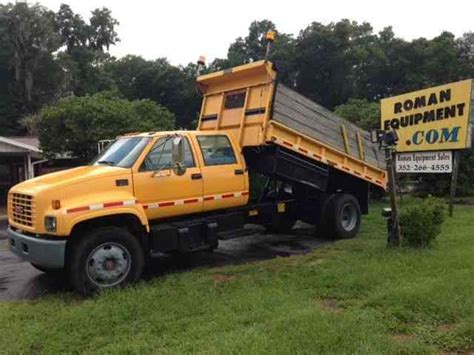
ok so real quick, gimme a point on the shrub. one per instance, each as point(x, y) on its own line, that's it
point(421, 223)
point(74, 126)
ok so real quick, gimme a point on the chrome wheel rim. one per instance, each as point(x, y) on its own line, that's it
point(349, 217)
point(108, 264)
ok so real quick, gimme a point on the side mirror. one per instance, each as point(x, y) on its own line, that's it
point(178, 156)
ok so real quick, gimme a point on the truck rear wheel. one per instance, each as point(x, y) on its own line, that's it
point(107, 257)
point(341, 217)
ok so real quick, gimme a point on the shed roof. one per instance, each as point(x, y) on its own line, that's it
point(19, 144)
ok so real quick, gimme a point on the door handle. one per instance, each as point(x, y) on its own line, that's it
point(196, 176)
point(239, 172)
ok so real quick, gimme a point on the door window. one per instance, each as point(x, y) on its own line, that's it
point(216, 150)
point(161, 156)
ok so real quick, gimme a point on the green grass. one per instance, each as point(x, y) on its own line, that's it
point(353, 296)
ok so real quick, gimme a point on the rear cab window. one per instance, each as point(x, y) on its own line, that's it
point(216, 150)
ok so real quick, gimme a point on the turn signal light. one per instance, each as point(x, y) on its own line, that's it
point(56, 204)
point(271, 36)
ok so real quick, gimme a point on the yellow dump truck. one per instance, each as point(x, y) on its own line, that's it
point(179, 192)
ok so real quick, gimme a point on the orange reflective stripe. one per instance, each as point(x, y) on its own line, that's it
point(99, 206)
point(194, 200)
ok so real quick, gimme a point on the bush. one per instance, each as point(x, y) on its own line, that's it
point(74, 126)
point(421, 223)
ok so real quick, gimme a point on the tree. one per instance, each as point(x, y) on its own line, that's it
point(74, 126)
point(253, 48)
point(360, 112)
point(328, 58)
point(466, 48)
point(102, 30)
point(86, 48)
point(157, 80)
point(30, 33)
point(71, 27)
point(28, 70)
point(45, 56)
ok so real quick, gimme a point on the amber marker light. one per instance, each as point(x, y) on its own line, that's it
point(271, 36)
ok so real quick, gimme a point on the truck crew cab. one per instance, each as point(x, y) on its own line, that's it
point(163, 192)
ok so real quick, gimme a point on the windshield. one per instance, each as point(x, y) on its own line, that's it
point(123, 152)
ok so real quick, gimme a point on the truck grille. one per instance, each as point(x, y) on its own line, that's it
point(22, 209)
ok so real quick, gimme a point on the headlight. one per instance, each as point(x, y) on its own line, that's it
point(50, 224)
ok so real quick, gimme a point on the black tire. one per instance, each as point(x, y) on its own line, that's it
point(281, 223)
point(105, 252)
point(341, 217)
point(49, 271)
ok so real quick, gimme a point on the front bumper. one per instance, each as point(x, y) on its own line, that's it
point(43, 252)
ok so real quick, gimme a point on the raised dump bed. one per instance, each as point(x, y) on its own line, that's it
point(248, 101)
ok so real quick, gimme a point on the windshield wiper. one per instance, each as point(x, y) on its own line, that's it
point(107, 162)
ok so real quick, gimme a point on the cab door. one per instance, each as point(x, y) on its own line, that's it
point(163, 193)
point(224, 174)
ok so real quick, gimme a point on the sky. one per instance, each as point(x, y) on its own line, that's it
point(183, 30)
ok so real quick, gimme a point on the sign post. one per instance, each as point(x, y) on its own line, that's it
point(454, 182)
point(394, 237)
point(387, 141)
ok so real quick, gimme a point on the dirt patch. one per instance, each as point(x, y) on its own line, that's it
point(446, 328)
point(401, 337)
point(317, 262)
point(331, 305)
point(458, 352)
point(224, 278)
point(36, 349)
point(288, 248)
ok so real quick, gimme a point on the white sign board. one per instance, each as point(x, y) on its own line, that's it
point(424, 162)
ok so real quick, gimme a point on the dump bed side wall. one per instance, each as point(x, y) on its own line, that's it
point(312, 148)
point(303, 115)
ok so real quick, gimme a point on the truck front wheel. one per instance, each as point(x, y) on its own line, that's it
point(106, 257)
point(341, 217)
